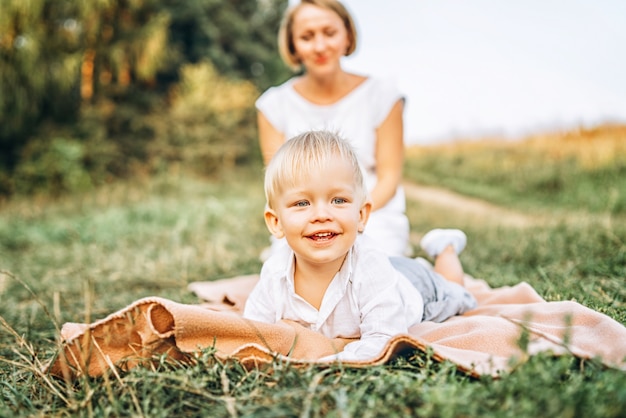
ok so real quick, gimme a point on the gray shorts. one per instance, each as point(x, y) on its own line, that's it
point(442, 298)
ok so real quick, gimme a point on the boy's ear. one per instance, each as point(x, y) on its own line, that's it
point(273, 223)
point(364, 214)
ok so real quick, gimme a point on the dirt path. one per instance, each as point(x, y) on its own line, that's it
point(469, 206)
point(486, 212)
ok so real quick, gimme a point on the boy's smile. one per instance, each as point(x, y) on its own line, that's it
point(320, 214)
point(322, 236)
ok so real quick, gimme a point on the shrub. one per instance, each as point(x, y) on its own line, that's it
point(54, 166)
point(210, 124)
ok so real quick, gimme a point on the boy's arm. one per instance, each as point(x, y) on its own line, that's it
point(383, 312)
point(260, 305)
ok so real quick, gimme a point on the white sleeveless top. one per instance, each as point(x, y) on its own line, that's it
point(355, 117)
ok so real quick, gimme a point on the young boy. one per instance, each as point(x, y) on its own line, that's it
point(328, 278)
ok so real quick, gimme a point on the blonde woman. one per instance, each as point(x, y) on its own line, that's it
point(368, 111)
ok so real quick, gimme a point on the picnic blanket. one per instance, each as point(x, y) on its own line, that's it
point(484, 341)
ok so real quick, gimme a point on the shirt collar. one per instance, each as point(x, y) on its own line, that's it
point(288, 275)
point(341, 279)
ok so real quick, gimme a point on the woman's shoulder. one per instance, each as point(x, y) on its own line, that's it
point(274, 96)
point(285, 86)
point(381, 84)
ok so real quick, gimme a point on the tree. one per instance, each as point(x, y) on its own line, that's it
point(38, 69)
point(237, 36)
point(56, 54)
point(86, 77)
point(123, 44)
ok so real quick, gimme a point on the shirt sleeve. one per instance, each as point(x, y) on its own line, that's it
point(260, 304)
point(385, 95)
point(271, 105)
point(382, 309)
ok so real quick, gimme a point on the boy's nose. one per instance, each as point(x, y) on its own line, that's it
point(321, 213)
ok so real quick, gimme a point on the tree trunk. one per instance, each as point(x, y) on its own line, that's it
point(87, 71)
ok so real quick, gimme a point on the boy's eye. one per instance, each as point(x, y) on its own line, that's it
point(339, 200)
point(301, 203)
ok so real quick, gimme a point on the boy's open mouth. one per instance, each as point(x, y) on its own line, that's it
point(322, 236)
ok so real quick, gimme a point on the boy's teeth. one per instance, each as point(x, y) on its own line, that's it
point(322, 235)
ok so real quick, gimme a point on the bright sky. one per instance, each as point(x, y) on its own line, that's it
point(479, 67)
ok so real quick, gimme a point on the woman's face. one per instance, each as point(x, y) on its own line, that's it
point(320, 38)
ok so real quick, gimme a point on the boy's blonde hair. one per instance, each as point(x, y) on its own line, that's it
point(286, 46)
point(310, 151)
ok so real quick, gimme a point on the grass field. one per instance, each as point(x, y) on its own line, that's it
point(80, 258)
point(584, 169)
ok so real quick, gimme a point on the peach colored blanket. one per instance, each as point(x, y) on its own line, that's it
point(483, 341)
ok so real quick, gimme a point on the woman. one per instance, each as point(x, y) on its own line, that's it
point(314, 36)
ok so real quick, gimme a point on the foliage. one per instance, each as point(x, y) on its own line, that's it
point(583, 169)
point(204, 99)
point(57, 166)
point(208, 126)
point(238, 37)
point(39, 67)
point(105, 69)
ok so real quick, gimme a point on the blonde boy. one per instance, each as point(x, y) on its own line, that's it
point(327, 277)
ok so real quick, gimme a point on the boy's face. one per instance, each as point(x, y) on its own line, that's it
point(320, 215)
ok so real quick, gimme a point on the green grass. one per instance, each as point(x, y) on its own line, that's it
point(82, 257)
point(580, 170)
point(129, 241)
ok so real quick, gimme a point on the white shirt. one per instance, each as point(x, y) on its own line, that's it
point(367, 299)
point(356, 117)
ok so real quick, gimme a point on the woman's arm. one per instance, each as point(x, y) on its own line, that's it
point(270, 139)
point(389, 156)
